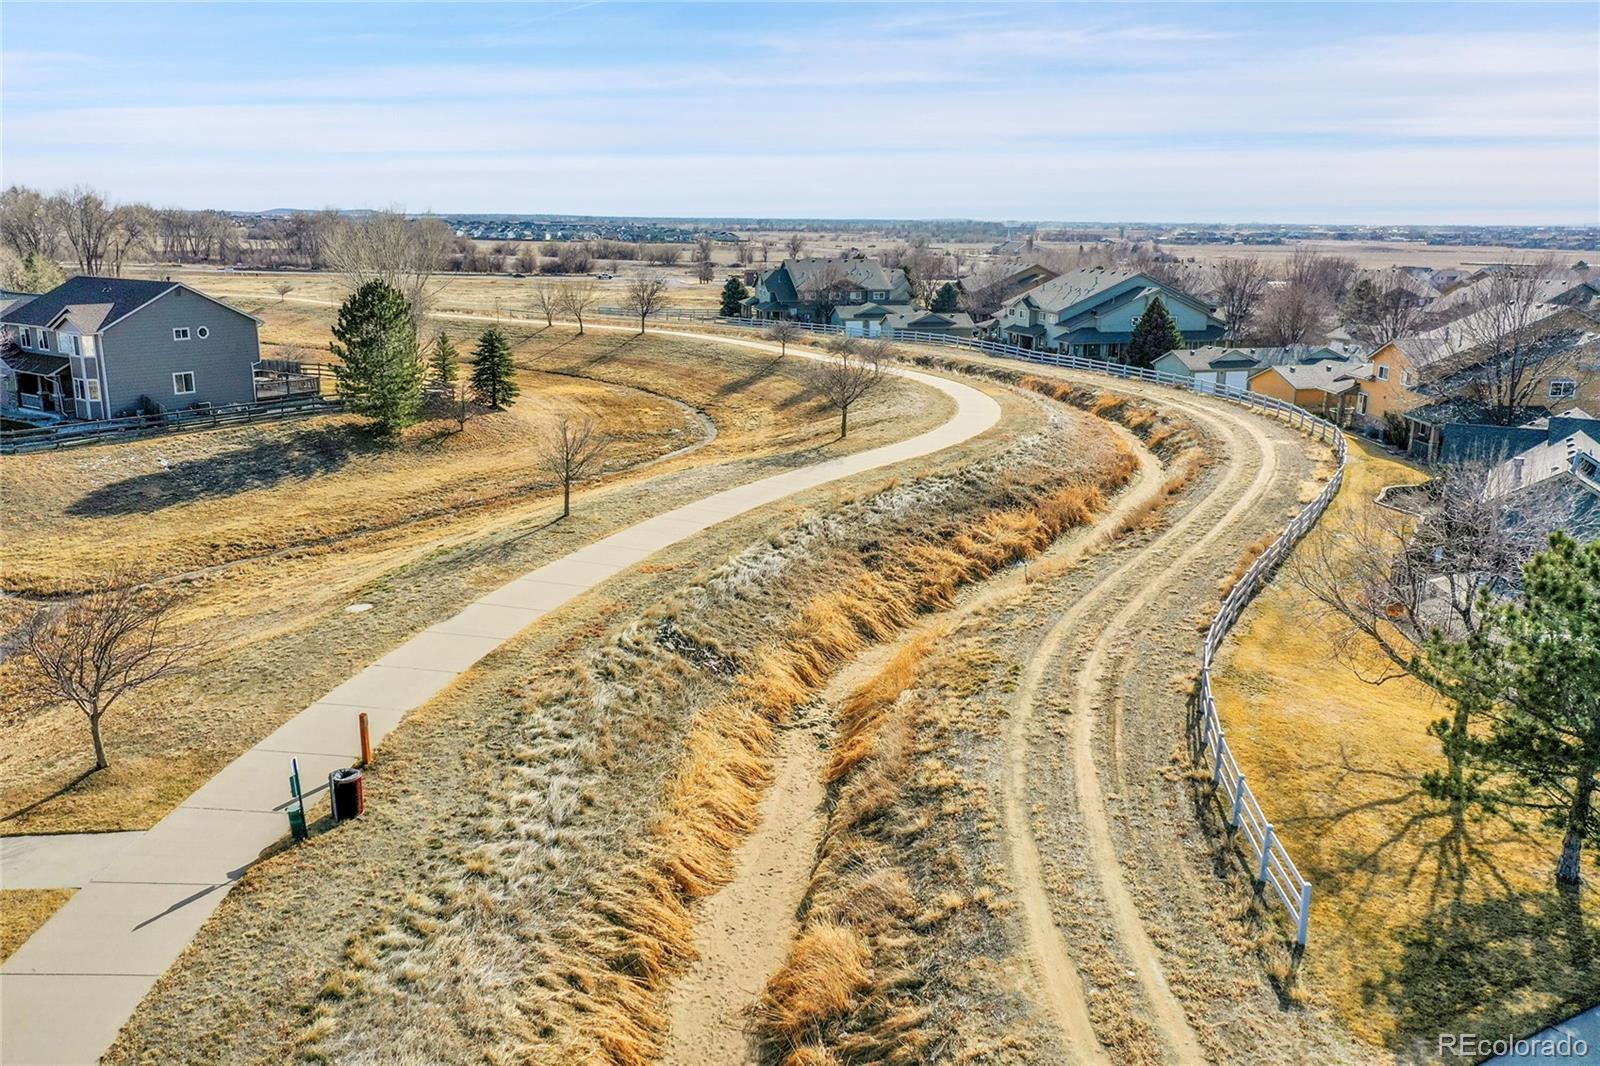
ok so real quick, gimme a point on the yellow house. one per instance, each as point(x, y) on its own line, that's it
point(1387, 389)
point(1330, 388)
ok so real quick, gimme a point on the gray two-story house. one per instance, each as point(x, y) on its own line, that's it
point(97, 347)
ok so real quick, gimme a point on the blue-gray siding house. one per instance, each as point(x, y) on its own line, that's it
point(1092, 311)
point(96, 347)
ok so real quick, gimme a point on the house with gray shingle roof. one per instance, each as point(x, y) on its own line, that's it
point(814, 288)
point(1216, 364)
point(1091, 312)
point(96, 347)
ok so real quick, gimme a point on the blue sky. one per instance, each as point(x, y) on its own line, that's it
point(1163, 112)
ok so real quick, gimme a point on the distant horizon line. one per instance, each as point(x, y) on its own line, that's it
point(941, 219)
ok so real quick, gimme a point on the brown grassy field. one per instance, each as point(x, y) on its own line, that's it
point(1420, 924)
point(481, 294)
point(272, 531)
point(23, 910)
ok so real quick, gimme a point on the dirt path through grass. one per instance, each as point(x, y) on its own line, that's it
point(1171, 1022)
point(745, 930)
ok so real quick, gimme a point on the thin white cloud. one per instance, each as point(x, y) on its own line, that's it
point(1015, 112)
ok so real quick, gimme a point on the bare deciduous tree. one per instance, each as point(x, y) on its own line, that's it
point(1389, 577)
point(646, 295)
point(283, 289)
point(94, 650)
point(843, 380)
point(795, 244)
point(571, 451)
point(705, 271)
point(576, 298)
point(387, 246)
point(1241, 283)
point(1292, 314)
point(132, 225)
point(1499, 344)
point(88, 224)
point(28, 224)
point(782, 332)
point(547, 301)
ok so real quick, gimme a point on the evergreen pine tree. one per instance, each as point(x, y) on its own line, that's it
point(494, 380)
point(443, 363)
point(379, 372)
point(1545, 734)
point(947, 299)
point(1154, 335)
point(732, 294)
point(1362, 304)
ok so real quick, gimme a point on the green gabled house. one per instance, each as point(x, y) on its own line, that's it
point(1091, 312)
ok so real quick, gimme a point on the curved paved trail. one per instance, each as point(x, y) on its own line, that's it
point(69, 989)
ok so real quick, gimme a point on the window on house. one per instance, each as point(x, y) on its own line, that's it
point(1383, 372)
point(1361, 403)
point(183, 382)
point(202, 332)
point(181, 333)
point(1562, 388)
point(27, 338)
point(94, 390)
point(45, 340)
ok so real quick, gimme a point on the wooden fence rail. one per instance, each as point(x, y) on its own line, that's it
point(75, 434)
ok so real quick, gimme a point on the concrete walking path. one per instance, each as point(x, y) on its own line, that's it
point(58, 860)
point(66, 993)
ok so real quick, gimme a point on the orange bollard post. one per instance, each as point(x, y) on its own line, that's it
point(366, 740)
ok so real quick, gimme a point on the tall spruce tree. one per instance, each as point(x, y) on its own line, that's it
point(1154, 335)
point(379, 372)
point(494, 379)
point(1532, 675)
point(733, 293)
point(1546, 735)
point(443, 364)
point(947, 299)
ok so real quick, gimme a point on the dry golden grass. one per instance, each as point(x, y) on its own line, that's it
point(865, 712)
point(174, 505)
point(825, 970)
point(276, 529)
point(1420, 924)
point(1246, 560)
point(23, 911)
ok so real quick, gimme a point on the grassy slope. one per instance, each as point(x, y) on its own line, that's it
point(1418, 926)
point(281, 633)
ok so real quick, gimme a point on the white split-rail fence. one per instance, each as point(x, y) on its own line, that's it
point(1275, 871)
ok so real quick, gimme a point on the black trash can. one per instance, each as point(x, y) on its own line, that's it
point(349, 799)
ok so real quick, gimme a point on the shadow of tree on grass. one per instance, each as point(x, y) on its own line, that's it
point(266, 464)
point(1507, 965)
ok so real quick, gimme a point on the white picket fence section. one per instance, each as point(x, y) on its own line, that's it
point(1274, 869)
